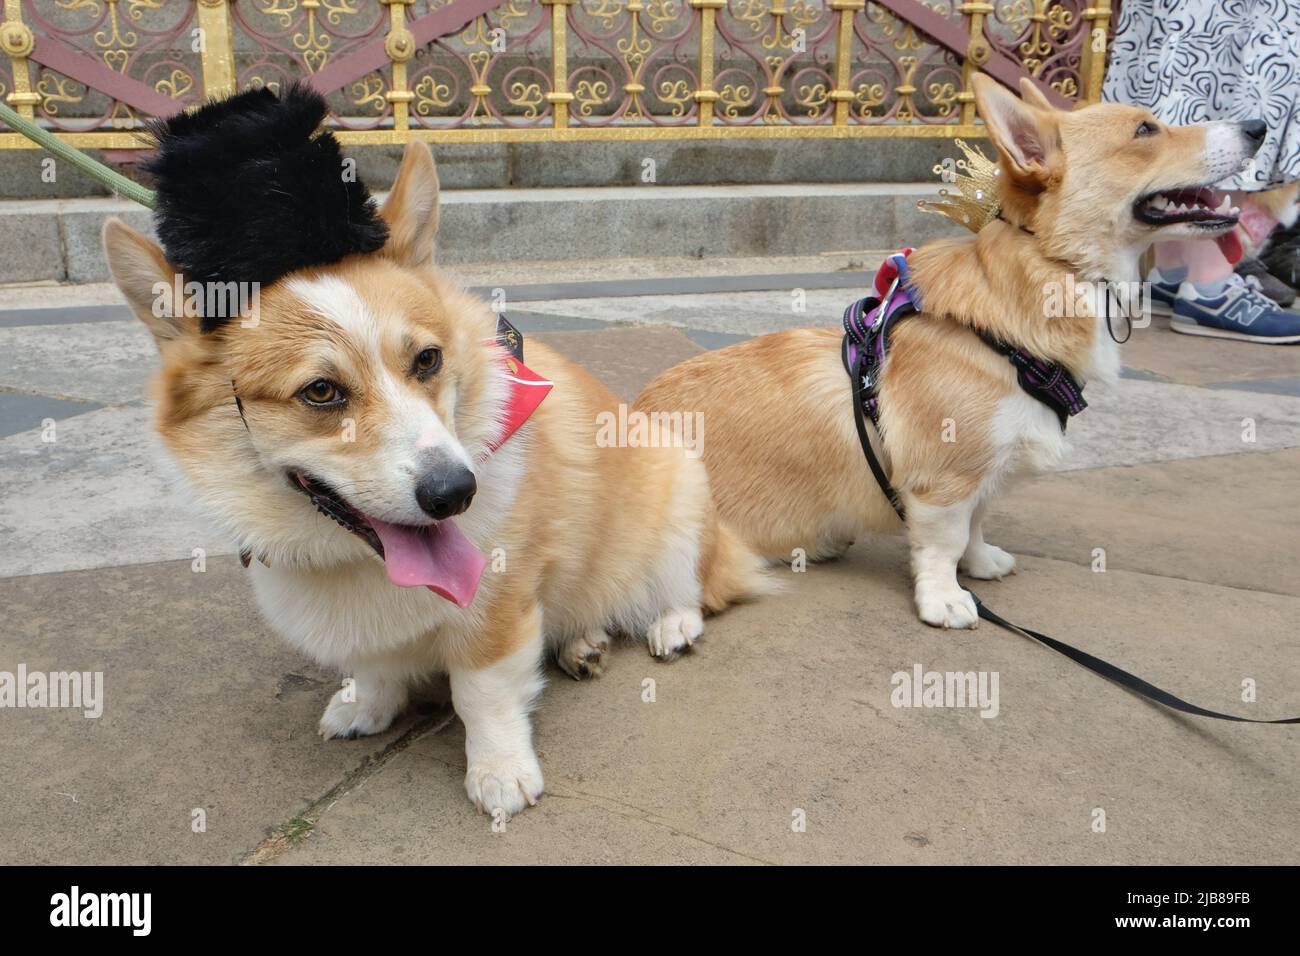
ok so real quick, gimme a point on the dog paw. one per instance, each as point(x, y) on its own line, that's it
point(508, 783)
point(947, 607)
point(988, 563)
point(584, 656)
point(347, 719)
point(674, 632)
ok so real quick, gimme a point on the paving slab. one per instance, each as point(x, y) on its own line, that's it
point(786, 707)
point(1194, 360)
point(105, 362)
point(1229, 520)
point(203, 709)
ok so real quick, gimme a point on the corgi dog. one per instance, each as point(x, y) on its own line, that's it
point(1083, 195)
point(363, 465)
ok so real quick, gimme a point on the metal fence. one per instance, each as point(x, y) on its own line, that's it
point(483, 70)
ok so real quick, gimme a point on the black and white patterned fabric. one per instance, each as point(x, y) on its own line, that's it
point(1192, 61)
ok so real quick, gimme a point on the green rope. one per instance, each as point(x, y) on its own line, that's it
point(96, 170)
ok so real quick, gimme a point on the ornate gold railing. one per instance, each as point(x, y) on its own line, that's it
point(476, 70)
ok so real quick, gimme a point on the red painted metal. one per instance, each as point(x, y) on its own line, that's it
point(67, 59)
point(372, 56)
point(948, 34)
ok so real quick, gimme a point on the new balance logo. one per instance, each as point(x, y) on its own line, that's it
point(1243, 312)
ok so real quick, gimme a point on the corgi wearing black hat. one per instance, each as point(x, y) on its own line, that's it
point(415, 490)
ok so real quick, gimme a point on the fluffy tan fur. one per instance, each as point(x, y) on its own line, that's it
point(590, 539)
point(783, 453)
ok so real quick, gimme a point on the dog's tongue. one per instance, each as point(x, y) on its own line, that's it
point(438, 557)
point(1230, 246)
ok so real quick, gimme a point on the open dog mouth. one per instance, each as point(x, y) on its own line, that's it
point(437, 556)
point(1199, 205)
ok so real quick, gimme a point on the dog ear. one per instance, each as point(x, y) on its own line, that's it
point(1034, 96)
point(148, 281)
point(411, 209)
point(1025, 135)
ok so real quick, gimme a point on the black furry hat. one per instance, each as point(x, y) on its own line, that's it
point(249, 191)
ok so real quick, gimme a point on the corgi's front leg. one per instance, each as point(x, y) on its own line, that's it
point(938, 535)
point(367, 703)
point(494, 701)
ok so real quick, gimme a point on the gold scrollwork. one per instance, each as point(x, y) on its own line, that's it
point(589, 94)
point(868, 96)
point(813, 97)
point(176, 85)
point(430, 95)
point(369, 89)
point(527, 95)
point(676, 92)
point(58, 89)
point(135, 8)
point(733, 97)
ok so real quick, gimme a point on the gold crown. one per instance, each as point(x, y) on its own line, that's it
point(976, 178)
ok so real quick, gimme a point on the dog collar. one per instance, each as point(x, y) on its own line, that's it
point(527, 388)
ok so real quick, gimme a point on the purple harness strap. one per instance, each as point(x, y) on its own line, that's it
point(868, 321)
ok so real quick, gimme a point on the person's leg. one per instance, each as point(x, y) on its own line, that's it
point(1214, 301)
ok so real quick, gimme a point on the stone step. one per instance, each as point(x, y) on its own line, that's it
point(24, 174)
point(59, 239)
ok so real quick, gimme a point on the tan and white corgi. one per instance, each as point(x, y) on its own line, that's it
point(363, 455)
point(1083, 195)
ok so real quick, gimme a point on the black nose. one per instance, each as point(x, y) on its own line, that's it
point(446, 491)
point(1254, 129)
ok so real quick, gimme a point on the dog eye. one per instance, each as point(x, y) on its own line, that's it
point(321, 392)
point(427, 362)
point(1146, 129)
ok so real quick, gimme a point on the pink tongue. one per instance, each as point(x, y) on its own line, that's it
point(1230, 246)
point(438, 557)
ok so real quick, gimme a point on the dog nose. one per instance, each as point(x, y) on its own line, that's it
point(446, 491)
point(1255, 130)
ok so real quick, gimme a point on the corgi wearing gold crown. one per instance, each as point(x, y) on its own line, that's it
point(982, 375)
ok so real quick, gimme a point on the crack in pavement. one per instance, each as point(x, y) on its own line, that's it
point(282, 838)
point(648, 816)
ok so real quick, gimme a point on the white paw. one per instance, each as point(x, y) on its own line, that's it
point(946, 607)
point(988, 562)
point(674, 632)
point(584, 656)
point(359, 718)
point(507, 782)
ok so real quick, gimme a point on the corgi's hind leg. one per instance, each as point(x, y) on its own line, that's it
point(939, 535)
point(368, 703)
point(583, 655)
point(984, 561)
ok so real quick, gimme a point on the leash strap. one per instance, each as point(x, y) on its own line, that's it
point(856, 372)
point(1117, 674)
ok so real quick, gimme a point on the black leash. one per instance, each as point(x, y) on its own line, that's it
point(1095, 664)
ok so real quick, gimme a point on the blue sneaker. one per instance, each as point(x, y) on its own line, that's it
point(1163, 294)
point(1239, 311)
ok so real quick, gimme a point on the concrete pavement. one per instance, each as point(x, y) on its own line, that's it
point(777, 741)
